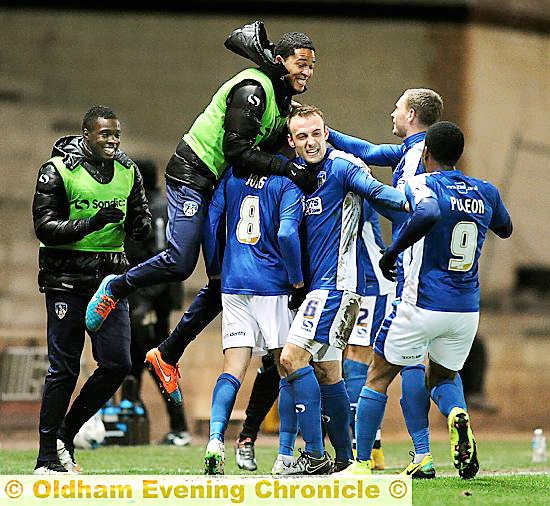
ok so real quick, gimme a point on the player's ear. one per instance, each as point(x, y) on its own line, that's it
point(291, 141)
point(326, 132)
point(425, 155)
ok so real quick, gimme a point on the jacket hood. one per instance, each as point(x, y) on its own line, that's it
point(70, 148)
point(251, 42)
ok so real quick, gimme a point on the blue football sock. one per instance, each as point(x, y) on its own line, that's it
point(415, 404)
point(223, 399)
point(355, 376)
point(460, 386)
point(307, 402)
point(288, 420)
point(370, 412)
point(335, 413)
point(448, 395)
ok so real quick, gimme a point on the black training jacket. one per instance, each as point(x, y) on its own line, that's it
point(78, 271)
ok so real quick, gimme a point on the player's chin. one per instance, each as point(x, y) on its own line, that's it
point(313, 159)
point(299, 87)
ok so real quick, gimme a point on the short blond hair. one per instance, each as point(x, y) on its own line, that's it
point(304, 111)
point(427, 103)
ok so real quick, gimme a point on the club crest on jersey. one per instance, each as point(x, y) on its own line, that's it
point(190, 208)
point(60, 309)
point(314, 205)
point(321, 178)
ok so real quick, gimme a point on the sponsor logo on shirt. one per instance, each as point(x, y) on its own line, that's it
point(307, 325)
point(98, 204)
point(314, 205)
point(461, 187)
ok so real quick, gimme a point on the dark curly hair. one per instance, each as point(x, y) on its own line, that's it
point(445, 142)
point(94, 112)
point(291, 41)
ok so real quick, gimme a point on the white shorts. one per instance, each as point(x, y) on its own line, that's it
point(372, 312)
point(410, 332)
point(324, 323)
point(260, 322)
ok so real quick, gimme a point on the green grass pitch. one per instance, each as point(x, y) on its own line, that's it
point(507, 475)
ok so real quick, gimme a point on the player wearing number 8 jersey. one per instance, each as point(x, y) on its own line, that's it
point(242, 126)
point(439, 311)
point(261, 261)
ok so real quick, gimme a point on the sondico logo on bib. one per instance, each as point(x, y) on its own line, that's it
point(98, 204)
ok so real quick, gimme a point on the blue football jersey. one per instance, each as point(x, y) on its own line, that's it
point(441, 269)
point(262, 214)
point(333, 219)
point(371, 235)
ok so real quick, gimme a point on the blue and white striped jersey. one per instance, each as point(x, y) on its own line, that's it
point(333, 219)
point(262, 253)
point(405, 159)
point(441, 269)
point(371, 235)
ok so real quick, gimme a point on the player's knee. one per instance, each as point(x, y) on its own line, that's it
point(327, 373)
point(322, 375)
point(121, 369)
point(288, 362)
point(435, 378)
point(379, 378)
point(363, 354)
point(67, 377)
point(181, 263)
point(182, 268)
point(437, 375)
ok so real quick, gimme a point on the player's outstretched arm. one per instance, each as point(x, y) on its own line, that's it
point(373, 154)
point(359, 181)
point(426, 214)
